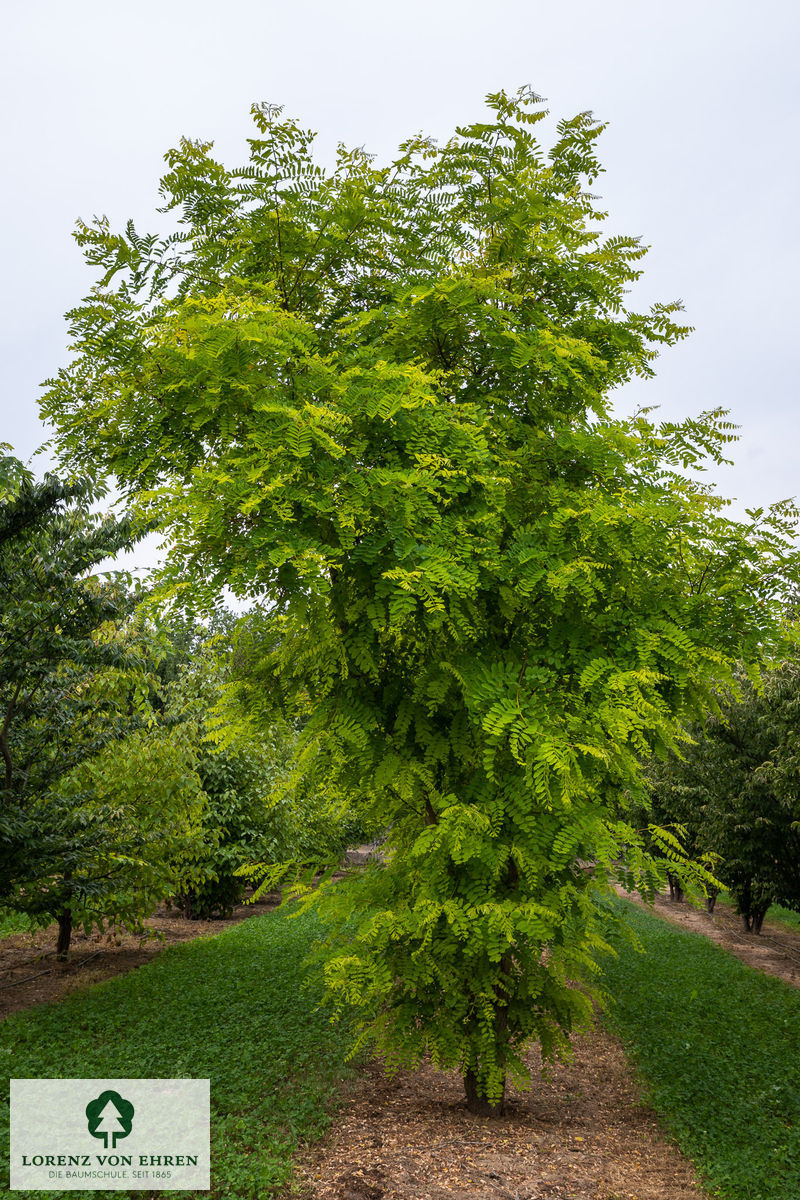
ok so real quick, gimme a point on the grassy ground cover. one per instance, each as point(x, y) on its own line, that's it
point(236, 1008)
point(784, 916)
point(718, 1045)
point(11, 922)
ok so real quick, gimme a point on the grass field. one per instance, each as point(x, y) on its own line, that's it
point(11, 922)
point(784, 916)
point(718, 1046)
point(231, 1008)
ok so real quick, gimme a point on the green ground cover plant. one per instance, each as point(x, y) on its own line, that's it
point(717, 1044)
point(12, 922)
point(231, 1008)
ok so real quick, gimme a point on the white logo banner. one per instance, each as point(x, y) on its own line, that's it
point(110, 1134)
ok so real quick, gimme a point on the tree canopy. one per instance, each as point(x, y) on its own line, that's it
point(733, 788)
point(378, 401)
point(60, 633)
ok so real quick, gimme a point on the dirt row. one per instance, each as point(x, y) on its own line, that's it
point(582, 1134)
point(776, 950)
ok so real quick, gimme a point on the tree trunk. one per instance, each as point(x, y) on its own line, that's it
point(477, 1103)
point(711, 900)
point(64, 934)
point(675, 889)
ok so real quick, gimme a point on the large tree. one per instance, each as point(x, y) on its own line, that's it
point(95, 801)
point(733, 788)
point(378, 400)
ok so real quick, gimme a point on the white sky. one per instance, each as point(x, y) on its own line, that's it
point(701, 155)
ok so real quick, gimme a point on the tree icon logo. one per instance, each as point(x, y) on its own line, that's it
point(109, 1116)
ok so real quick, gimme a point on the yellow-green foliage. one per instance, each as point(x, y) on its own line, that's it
point(378, 400)
point(144, 790)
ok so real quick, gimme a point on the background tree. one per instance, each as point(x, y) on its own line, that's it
point(251, 812)
point(734, 789)
point(52, 616)
point(97, 801)
point(141, 806)
point(259, 815)
point(116, 795)
point(377, 399)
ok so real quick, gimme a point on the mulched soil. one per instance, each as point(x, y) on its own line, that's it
point(30, 975)
point(583, 1134)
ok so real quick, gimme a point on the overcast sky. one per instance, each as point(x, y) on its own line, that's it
point(701, 155)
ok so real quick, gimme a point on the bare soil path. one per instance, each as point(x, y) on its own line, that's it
point(583, 1134)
